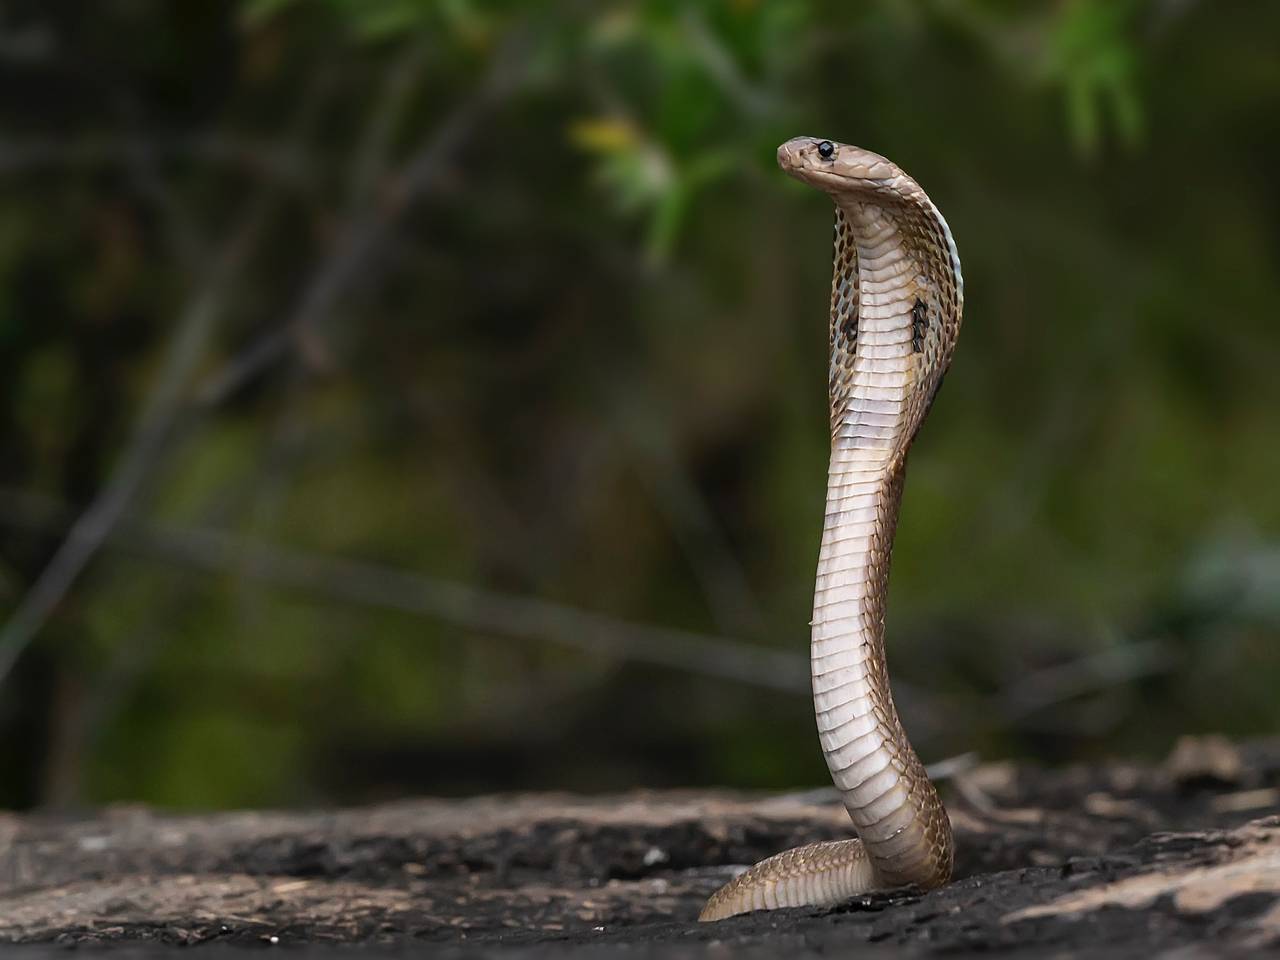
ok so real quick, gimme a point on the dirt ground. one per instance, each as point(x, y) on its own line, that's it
point(1180, 858)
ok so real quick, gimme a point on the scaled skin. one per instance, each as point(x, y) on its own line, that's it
point(896, 305)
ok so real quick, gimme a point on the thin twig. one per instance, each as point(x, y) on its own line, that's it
point(91, 529)
point(370, 162)
point(364, 236)
point(260, 158)
point(724, 582)
point(161, 417)
point(466, 606)
point(948, 768)
point(1109, 667)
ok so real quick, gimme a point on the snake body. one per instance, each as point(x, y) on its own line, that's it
point(896, 301)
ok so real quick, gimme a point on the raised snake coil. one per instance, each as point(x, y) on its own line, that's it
point(896, 302)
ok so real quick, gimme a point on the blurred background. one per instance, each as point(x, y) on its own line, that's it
point(429, 395)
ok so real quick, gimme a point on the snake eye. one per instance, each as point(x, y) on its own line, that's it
point(826, 149)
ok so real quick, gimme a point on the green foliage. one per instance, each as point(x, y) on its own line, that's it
point(1092, 56)
point(584, 361)
point(383, 20)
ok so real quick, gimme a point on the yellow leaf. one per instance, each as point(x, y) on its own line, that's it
point(603, 135)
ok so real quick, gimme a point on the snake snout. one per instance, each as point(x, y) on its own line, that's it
point(786, 159)
point(799, 152)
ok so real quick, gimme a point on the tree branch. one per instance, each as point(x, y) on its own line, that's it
point(466, 606)
point(365, 234)
point(90, 530)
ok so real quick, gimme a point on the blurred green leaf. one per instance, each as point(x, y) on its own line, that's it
point(608, 232)
point(1092, 55)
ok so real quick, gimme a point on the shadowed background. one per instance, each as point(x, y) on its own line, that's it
point(421, 396)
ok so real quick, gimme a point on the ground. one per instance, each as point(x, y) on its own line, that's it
point(1180, 856)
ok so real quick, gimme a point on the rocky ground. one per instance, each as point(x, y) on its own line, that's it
point(1180, 858)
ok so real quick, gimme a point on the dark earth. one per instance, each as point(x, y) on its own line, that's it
point(1180, 858)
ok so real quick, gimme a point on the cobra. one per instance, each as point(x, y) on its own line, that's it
point(896, 302)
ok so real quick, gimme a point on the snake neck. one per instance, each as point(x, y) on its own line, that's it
point(881, 386)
